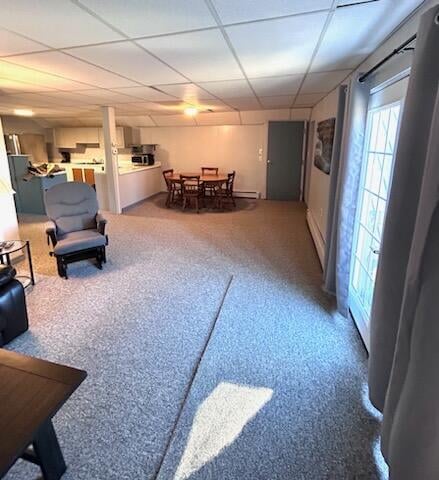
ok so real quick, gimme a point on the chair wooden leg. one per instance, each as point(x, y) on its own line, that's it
point(184, 202)
point(197, 205)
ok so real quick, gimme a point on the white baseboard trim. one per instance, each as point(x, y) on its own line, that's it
point(241, 194)
point(316, 236)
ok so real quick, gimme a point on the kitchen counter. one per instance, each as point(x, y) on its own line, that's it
point(136, 183)
point(124, 169)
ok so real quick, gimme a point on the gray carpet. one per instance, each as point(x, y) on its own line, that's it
point(280, 391)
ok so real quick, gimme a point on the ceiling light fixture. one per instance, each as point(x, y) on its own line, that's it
point(23, 112)
point(191, 111)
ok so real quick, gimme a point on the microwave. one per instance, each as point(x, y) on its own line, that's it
point(147, 159)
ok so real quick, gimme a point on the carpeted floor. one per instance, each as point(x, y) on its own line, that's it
point(211, 352)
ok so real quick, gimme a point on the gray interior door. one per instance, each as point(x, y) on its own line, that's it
point(284, 160)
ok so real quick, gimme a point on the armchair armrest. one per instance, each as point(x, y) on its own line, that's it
point(51, 234)
point(100, 223)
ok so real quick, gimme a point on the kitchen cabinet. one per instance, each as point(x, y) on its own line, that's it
point(71, 137)
point(120, 137)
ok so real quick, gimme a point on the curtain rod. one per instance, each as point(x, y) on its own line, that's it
point(397, 50)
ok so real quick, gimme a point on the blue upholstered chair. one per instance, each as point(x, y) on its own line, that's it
point(77, 229)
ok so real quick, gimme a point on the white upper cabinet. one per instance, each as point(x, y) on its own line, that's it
point(71, 137)
point(120, 138)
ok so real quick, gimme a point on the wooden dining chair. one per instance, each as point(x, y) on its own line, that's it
point(192, 189)
point(224, 192)
point(209, 188)
point(166, 174)
point(209, 170)
point(77, 175)
point(171, 188)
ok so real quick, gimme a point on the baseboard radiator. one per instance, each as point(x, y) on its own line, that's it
point(316, 236)
point(246, 194)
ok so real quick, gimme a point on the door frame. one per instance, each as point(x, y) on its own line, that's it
point(357, 311)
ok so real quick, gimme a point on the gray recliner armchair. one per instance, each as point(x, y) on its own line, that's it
point(77, 231)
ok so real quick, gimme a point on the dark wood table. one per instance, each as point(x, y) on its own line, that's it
point(221, 177)
point(31, 392)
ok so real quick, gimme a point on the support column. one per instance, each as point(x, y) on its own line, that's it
point(111, 162)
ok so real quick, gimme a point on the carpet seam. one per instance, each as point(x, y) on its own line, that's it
point(191, 381)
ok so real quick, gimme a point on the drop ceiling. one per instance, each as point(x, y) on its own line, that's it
point(150, 59)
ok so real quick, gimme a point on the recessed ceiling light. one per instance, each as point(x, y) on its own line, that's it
point(191, 111)
point(23, 112)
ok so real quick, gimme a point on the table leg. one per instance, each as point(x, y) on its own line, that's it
point(29, 258)
point(48, 452)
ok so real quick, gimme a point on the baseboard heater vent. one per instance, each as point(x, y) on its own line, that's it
point(244, 194)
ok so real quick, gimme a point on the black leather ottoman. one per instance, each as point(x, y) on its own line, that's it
point(13, 313)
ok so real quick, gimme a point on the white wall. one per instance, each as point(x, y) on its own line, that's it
point(8, 215)
point(319, 182)
point(21, 125)
point(327, 107)
point(229, 147)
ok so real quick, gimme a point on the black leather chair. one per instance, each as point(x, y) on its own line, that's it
point(13, 313)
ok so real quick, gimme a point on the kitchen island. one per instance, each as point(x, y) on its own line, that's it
point(136, 183)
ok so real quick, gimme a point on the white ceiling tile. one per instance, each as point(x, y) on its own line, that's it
point(17, 72)
point(269, 86)
point(219, 118)
point(277, 47)
point(130, 109)
point(105, 97)
point(64, 99)
point(55, 23)
point(231, 11)
point(128, 60)
point(165, 108)
point(281, 101)
point(262, 116)
point(200, 56)
point(13, 86)
point(186, 91)
point(145, 93)
point(11, 44)
point(228, 88)
point(323, 82)
point(25, 99)
point(214, 105)
point(173, 120)
point(247, 103)
point(91, 122)
point(354, 32)
point(308, 99)
point(66, 66)
point(135, 120)
point(138, 18)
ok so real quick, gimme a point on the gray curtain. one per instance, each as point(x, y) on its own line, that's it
point(334, 192)
point(404, 350)
point(343, 195)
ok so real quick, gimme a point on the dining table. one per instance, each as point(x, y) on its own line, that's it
point(206, 178)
